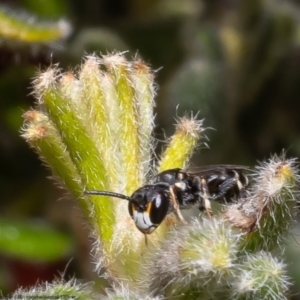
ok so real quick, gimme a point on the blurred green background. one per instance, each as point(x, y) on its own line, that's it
point(236, 61)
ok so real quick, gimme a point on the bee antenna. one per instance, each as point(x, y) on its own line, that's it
point(106, 193)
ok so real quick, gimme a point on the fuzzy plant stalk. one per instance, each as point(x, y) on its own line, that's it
point(267, 213)
point(93, 127)
point(58, 289)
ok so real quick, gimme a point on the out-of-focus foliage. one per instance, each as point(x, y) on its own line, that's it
point(25, 29)
point(47, 9)
point(236, 61)
point(33, 241)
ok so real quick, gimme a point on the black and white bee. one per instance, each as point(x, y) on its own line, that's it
point(175, 189)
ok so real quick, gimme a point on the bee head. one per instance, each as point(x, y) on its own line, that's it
point(148, 206)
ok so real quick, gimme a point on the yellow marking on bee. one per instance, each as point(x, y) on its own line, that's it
point(149, 208)
point(180, 185)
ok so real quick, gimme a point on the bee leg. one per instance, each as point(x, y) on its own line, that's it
point(207, 207)
point(204, 193)
point(229, 184)
point(176, 206)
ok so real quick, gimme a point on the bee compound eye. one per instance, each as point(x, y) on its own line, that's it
point(159, 207)
point(156, 200)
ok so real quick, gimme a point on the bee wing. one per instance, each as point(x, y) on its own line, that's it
point(215, 169)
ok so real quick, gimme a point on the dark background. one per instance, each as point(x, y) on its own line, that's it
point(238, 62)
